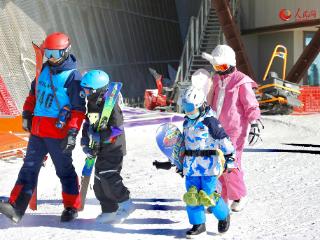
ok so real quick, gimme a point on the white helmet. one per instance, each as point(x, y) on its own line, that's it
point(222, 54)
point(201, 79)
point(193, 98)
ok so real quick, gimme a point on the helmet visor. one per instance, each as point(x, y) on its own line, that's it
point(221, 68)
point(56, 53)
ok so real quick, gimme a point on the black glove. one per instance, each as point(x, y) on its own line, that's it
point(230, 164)
point(179, 171)
point(27, 120)
point(162, 165)
point(255, 132)
point(69, 142)
point(88, 151)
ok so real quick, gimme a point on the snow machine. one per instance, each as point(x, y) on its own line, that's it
point(158, 99)
point(276, 95)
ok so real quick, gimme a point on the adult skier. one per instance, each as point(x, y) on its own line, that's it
point(53, 113)
point(233, 99)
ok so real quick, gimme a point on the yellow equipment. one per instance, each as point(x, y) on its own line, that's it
point(278, 96)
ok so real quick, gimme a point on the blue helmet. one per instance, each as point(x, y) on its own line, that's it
point(95, 79)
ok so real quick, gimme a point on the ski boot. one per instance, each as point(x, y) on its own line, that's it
point(191, 197)
point(196, 231)
point(223, 225)
point(15, 211)
point(124, 210)
point(107, 217)
point(238, 205)
point(12, 213)
point(69, 214)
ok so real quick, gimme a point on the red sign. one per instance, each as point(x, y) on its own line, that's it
point(284, 14)
point(302, 15)
point(299, 14)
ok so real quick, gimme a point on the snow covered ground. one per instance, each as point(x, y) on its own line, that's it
point(284, 192)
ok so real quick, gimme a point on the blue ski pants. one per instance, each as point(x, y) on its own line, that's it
point(196, 214)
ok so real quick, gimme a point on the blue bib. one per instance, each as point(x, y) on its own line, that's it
point(46, 104)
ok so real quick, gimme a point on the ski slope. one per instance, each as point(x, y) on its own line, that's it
point(283, 200)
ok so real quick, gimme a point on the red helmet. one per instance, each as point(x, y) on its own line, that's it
point(56, 41)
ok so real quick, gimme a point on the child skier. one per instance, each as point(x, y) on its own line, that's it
point(203, 135)
point(108, 187)
point(53, 113)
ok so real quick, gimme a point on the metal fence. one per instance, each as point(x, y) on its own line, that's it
point(122, 37)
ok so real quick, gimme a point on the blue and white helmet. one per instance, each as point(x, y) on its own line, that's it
point(95, 79)
point(192, 99)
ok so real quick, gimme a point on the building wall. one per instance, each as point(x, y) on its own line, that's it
point(186, 9)
point(260, 13)
point(251, 46)
point(260, 48)
point(122, 37)
point(267, 42)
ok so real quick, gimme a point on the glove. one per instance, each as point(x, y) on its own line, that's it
point(230, 164)
point(27, 120)
point(93, 135)
point(69, 142)
point(88, 151)
point(162, 165)
point(254, 133)
point(180, 172)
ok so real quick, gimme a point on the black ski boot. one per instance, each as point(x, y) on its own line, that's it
point(223, 225)
point(15, 211)
point(69, 214)
point(8, 210)
point(196, 231)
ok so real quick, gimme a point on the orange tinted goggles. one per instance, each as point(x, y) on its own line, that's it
point(221, 68)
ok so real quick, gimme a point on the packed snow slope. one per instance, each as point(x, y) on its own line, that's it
point(284, 192)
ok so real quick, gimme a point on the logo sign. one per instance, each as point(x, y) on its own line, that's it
point(297, 15)
point(285, 14)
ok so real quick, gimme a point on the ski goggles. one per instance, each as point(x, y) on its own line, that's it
point(221, 68)
point(87, 92)
point(55, 53)
point(188, 107)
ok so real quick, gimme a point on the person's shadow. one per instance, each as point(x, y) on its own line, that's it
point(47, 220)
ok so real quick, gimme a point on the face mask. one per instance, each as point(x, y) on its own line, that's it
point(193, 116)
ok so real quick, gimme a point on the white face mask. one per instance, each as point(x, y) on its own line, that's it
point(194, 116)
